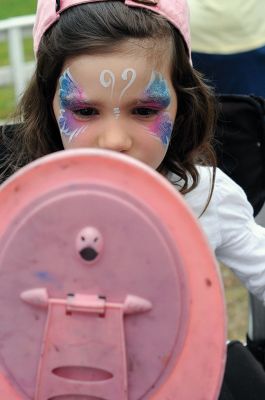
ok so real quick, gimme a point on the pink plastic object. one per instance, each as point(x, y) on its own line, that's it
point(108, 290)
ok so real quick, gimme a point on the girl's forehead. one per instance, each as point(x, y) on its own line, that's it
point(89, 67)
point(142, 55)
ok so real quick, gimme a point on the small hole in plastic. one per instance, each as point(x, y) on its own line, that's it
point(75, 397)
point(83, 374)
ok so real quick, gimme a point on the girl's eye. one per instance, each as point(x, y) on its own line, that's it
point(86, 112)
point(145, 111)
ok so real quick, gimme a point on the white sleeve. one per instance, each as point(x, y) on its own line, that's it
point(242, 241)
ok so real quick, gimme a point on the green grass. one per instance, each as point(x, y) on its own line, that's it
point(7, 101)
point(12, 8)
point(8, 9)
point(237, 305)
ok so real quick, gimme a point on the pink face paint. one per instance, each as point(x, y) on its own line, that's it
point(157, 96)
point(162, 128)
point(71, 98)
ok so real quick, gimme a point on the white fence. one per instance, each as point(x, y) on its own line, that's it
point(13, 30)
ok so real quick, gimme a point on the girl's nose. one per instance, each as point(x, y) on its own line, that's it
point(115, 138)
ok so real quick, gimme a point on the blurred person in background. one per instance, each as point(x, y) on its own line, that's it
point(228, 44)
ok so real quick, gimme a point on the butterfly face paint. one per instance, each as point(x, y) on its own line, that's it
point(157, 96)
point(71, 97)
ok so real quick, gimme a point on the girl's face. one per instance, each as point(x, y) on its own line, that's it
point(119, 101)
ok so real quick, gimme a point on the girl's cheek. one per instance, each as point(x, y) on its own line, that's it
point(162, 128)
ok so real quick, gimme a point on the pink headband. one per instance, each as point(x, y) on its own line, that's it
point(175, 11)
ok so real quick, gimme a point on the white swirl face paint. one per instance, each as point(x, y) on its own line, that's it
point(111, 82)
point(117, 112)
point(106, 83)
point(125, 77)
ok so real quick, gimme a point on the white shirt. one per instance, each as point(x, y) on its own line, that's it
point(227, 26)
point(231, 230)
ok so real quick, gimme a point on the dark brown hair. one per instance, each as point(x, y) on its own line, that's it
point(97, 28)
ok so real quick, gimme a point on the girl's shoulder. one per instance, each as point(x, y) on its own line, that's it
point(224, 210)
point(226, 193)
point(222, 180)
point(228, 213)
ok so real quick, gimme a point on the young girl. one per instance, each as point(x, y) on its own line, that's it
point(117, 75)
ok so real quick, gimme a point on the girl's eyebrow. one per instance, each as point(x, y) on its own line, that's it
point(160, 99)
point(152, 99)
point(76, 100)
point(73, 100)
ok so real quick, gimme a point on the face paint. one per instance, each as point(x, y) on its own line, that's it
point(107, 82)
point(157, 91)
point(71, 97)
point(162, 128)
point(107, 79)
point(157, 95)
point(117, 112)
point(124, 76)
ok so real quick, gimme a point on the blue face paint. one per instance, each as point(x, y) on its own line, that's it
point(165, 128)
point(157, 91)
point(162, 128)
point(157, 94)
